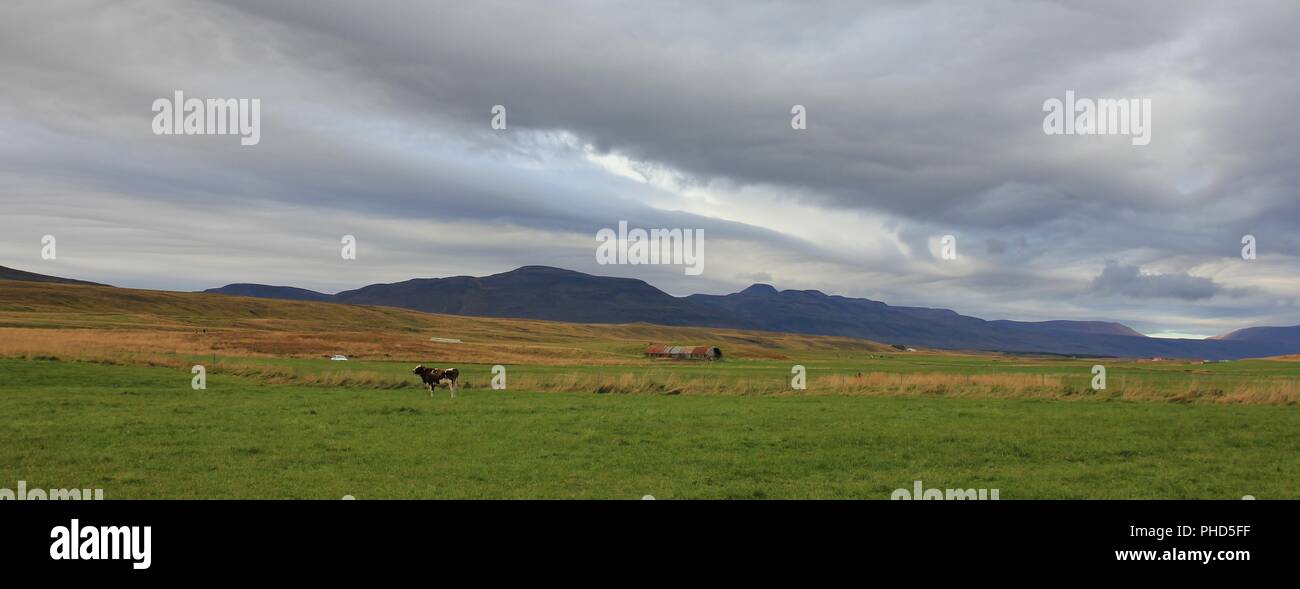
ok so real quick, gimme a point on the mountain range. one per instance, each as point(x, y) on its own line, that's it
point(541, 292)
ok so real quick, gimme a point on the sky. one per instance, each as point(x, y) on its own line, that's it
point(923, 120)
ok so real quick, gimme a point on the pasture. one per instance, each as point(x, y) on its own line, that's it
point(141, 432)
point(95, 392)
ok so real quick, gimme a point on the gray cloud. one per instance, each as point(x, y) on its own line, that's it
point(1130, 281)
point(924, 119)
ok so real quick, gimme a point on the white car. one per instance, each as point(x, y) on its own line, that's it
point(338, 357)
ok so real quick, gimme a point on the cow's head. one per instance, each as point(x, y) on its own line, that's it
point(419, 369)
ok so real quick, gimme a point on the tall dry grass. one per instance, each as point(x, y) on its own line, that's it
point(176, 348)
point(1257, 391)
point(162, 347)
point(938, 384)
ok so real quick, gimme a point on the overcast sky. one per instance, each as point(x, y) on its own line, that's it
point(923, 120)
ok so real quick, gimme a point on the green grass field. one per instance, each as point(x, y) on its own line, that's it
point(95, 392)
point(767, 375)
point(142, 432)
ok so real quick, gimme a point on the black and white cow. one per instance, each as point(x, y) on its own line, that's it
point(436, 377)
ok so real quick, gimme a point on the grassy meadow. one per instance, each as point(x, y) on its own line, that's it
point(95, 391)
point(141, 432)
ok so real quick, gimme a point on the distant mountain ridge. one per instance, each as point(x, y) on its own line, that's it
point(814, 312)
point(1283, 336)
point(542, 292)
point(263, 291)
point(23, 275)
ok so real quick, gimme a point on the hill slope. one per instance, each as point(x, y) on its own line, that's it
point(1283, 336)
point(68, 320)
point(14, 274)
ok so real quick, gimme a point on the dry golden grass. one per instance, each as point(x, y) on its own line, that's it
point(143, 348)
point(140, 346)
point(1254, 391)
point(88, 344)
point(938, 384)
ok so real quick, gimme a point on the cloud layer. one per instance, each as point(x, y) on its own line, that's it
point(924, 120)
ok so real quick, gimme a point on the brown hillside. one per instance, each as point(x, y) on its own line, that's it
point(94, 321)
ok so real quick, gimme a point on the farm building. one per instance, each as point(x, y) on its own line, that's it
point(685, 352)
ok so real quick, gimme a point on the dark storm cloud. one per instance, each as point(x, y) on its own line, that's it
point(1117, 278)
point(940, 120)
